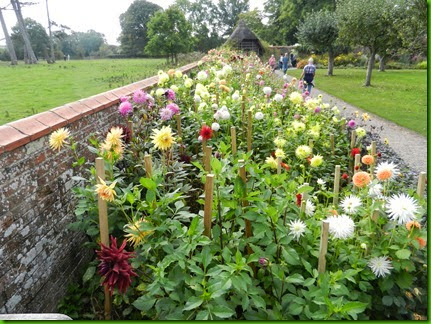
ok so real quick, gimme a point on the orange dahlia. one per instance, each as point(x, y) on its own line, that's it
point(368, 159)
point(361, 179)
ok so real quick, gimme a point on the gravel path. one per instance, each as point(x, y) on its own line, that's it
point(408, 145)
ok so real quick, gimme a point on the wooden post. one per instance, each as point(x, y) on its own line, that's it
point(279, 165)
point(374, 154)
point(243, 109)
point(323, 246)
point(331, 137)
point(375, 215)
point(357, 163)
point(249, 129)
point(130, 126)
point(304, 200)
point(207, 158)
point(310, 143)
point(421, 184)
point(233, 139)
point(209, 184)
point(336, 184)
point(353, 139)
point(103, 225)
point(148, 165)
point(180, 132)
point(248, 229)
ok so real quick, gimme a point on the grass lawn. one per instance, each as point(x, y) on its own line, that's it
point(26, 90)
point(397, 95)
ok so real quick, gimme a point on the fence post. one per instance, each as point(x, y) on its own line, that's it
point(336, 184)
point(357, 163)
point(179, 131)
point(279, 165)
point(421, 184)
point(249, 129)
point(331, 136)
point(310, 143)
point(209, 186)
point(323, 246)
point(353, 139)
point(130, 126)
point(233, 139)
point(103, 225)
point(148, 165)
point(207, 158)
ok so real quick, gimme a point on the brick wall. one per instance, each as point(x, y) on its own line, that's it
point(38, 255)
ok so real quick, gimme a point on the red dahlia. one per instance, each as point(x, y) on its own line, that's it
point(285, 166)
point(206, 132)
point(298, 199)
point(114, 266)
point(345, 176)
point(355, 151)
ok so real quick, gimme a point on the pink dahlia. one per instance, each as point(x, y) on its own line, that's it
point(139, 96)
point(114, 266)
point(351, 123)
point(170, 94)
point(124, 98)
point(166, 114)
point(174, 108)
point(125, 108)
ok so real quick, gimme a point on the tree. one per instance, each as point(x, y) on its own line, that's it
point(133, 37)
point(29, 55)
point(253, 19)
point(39, 40)
point(169, 33)
point(319, 32)
point(89, 42)
point(227, 13)
point(367, 23)
point(9, 44)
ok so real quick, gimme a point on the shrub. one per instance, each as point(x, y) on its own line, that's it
point(421, 65)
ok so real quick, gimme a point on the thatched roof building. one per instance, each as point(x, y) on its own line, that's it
point(244, 39)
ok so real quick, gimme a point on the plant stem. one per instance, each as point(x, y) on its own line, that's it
point(219, 216)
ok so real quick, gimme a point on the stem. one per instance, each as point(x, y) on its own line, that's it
point(273, 286)
point(219, 215)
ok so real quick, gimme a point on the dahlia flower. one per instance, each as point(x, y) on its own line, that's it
point(215, 126)
point(309, 208)
point(303, 151)
point(380, 266)
point(163, 139)
point(134, 234)
point(271, 162)
point(341, 227)
point(258, 115)
point(58, 138)
point(170, 94)
point(361, 179)
point(316, 161)
point(297, 228)
point(402, 208)
point(139, 97)
point(206, 132)
point(104, 191)
point(278, 97)
point(386, 171)
point(296, 98)
point(125, 108)
point(166, 113)
point(173, 108)
point(351, 204)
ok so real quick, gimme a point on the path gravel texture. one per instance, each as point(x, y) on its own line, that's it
point(408, 145)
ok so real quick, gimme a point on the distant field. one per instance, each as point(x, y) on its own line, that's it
point(26, 90)
point(397, 95)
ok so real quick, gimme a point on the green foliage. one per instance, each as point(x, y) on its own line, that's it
point(169, 33)
point(227, 13)
point(38, 38)
point(134, 30)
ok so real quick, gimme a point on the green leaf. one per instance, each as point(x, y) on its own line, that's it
point(259, 302)
point(295, 279)
point(89, 273)
point(239, 187)
point(148, 183)
point(202, 315)
point(222, 311)
point(206, 256)
point(144, 303)
point(304, 189)
point(353, 308)
point(309, 282)
point(193, 226)
point(404, 280)
point(387, 300)
point(130, 198)
point(150, 196)
point(192, 303)
point(403, 254)
point(295, 309)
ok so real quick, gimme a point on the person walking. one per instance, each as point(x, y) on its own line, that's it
point(272, 62)
point(293, 60)
point(285, 62)
point(308, 74)
point(280, 62)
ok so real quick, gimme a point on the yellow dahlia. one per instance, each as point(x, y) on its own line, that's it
point(280, 153)
point(134, 233)
point(271, 162)
point(58, 138)
point(316, 161)
point(163, 139)
point(104, 191)
point(114, 137)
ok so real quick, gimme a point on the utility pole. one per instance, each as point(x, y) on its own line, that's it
point(9, 44)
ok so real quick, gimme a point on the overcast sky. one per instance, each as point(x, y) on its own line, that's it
point(82, 15)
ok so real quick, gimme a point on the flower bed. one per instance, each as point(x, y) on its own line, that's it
point(239, 197)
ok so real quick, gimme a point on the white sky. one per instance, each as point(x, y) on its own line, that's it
point(82, 15)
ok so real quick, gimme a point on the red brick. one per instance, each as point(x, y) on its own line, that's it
point(104, 102)
point(31, 126)
point(110, 96)
point(67, 113)
point(51, 119)
point(11, 138)
point(80, 107)
point(120, 92)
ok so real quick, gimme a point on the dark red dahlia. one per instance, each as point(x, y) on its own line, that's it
point(185, 158)
point(345, 176)
point(298, 199)
point(114, 266)
point(355, 151)
point(379, 154)
point(206, 132)
point(273, 154)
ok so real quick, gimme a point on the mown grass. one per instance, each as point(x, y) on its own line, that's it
point(26, 90)
point(396, 95)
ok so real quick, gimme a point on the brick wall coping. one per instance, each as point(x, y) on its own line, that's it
point(23, 131)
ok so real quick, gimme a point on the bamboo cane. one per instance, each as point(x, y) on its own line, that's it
point(103, 225)
point(304, 200)
point(421, 184)
point(374, 154)
point(248, 229)
point(279, 165)
point(353, 139)
point(323, 246)
point(130, 126)
point(209, 186)
point(148, 165)
point(249, 129)
point(331, 136)
point(375, 215)
point(180, 132)
point(357, 163)
point(207, 158)
point(233, 139)
point(336, 184)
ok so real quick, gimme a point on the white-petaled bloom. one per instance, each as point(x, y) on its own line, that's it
point(296, 98)
point(200, 138)
point(375, 190)
point(309, 208)
point(197, 99)
point(235, 96)
point(402, 208)
point(280, 153)
point(279, 142)
point(321, 183)
point(225, 115)
point(215, 126)
point(341, 227)
point(202, 76)
point(360, 132)
point(258, 115)
point(278, 97)
point(351, 204)
point(335, 110)
point(380, 266)
point(297, 228)
point(386, 171)
point(363, 246)
point(267, 91)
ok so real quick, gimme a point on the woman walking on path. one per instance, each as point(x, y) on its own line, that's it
point(285, 62)
point(280, 62)
point(272, 62)
point(308, 74)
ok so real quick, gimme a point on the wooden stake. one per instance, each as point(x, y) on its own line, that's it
point(323, 246)
point(130, 126)
point(331, 137)
point(103, 225)
point(208, 208)
point(336, 184)
point(249, 129)
point(421, 184)
point(148, 165)
point(310, 143)
point(243, 109)
point(207, 158)
point(375, 215)
point(353, 139)
point(357, 163)
point(304, 200)
point(374, 154)
point(233, 139)
point(248, 229)
point(279, 165)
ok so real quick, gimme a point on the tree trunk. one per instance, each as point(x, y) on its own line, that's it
point(51, 43)
point(371, 61)
point(331, 58)
point(382, 63)
point(17, 8)
point(9, 44)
